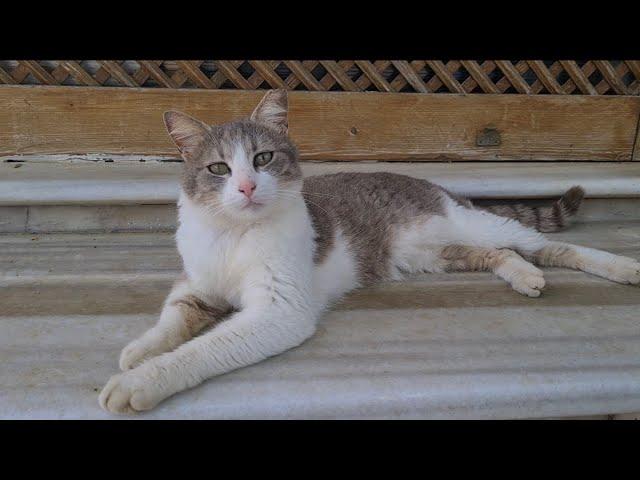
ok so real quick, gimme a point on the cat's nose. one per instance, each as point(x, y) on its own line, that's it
point(247, 188)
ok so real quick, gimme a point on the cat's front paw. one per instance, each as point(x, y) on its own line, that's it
point(150, 345)
point(135, 353)
point(131, 392)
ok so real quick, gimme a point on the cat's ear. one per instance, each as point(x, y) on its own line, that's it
point(273, 111)
point(186, 132)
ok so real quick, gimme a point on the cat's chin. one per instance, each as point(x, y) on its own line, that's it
point(252, 206)
point(251, 212)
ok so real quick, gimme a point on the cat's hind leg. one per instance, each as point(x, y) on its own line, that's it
point(484, 229)
point(597, 262)
point(523, 277)
point(183, 316)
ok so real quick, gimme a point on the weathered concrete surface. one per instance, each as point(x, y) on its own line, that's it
point(436, 346)
point(154, 218)
point(69, 182)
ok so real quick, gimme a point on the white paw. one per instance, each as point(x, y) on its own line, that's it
point(524, 277)
point(528, 284)
point(624, 270)
point(148, 346)
point(131, 392)
point(134, 354)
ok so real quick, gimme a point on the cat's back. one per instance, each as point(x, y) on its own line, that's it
point(366, 208)
point(365, 197)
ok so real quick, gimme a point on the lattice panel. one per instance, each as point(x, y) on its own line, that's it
point(556, 77)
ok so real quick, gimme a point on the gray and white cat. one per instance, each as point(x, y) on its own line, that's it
point(265, 251)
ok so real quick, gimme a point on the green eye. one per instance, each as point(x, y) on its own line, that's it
point(219, 168)
point(261, 159)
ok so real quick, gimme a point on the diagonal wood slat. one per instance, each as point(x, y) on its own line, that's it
point(634, 68)
point(228, 69)
point(479, 76)
point(61, 74)
point(528, 77)
point(6, 78)
point(304, 75)
point(445, 77)
point(370, 71)
point(268, 73)
point(410, 75)
point(578, 76)
point(611, 76)
point(545, 77)
point(157, 74)
point(513, 76)
point(192, 69)
point(339, 74)
point(116, 71)
point(79, 73)
point(38, 72)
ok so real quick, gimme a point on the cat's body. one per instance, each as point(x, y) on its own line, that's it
point(262, 262)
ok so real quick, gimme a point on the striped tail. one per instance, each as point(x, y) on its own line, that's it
point(549, 218)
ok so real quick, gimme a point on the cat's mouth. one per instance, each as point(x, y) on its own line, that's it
point(252, 205)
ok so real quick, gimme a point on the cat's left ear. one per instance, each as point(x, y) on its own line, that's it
point(187, 133)
point(273, 111)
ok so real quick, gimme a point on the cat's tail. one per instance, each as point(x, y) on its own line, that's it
point(548, 218)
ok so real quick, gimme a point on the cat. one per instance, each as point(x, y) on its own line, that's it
point(266, 252)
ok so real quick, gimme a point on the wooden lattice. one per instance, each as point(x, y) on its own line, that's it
point(561, 77)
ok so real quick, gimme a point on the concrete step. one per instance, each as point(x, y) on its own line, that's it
point(113, 180)
point(163, 218)
point(436, 346)
point(129, 194)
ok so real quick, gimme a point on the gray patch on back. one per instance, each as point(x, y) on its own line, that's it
point(368, 207)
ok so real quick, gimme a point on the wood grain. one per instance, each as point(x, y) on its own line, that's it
point(327, 125)
point(635, 155)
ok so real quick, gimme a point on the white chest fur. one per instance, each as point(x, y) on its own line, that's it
point(233, 261)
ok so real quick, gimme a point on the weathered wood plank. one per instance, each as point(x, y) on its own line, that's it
point(327, 125)
point(635, 155)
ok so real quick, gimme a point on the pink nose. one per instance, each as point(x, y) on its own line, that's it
point(247, 188)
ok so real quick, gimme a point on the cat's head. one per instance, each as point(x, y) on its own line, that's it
point(243, 170)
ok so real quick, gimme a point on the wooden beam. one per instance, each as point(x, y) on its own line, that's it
point(327, 125)
point(635, 153)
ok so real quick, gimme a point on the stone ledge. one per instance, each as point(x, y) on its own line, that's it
point(27, 181)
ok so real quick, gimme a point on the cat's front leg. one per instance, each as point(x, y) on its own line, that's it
point(247, 337)
point(184, 314)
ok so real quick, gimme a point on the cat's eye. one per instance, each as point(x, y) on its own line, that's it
point(219, 168)
point(261, 159)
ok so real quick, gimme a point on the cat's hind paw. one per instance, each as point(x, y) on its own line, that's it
point(523, 277)
point(530, 285)
point(624, 270)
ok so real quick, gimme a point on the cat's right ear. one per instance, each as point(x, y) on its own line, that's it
point(187, 133)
